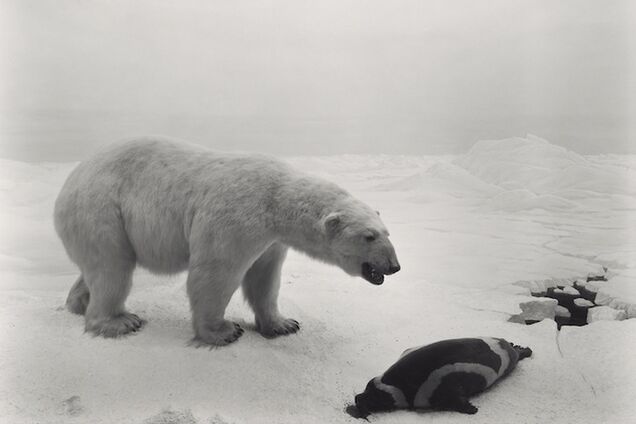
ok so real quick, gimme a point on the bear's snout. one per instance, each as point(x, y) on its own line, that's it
point(393, 268)
point(375, 272)
point(393, 265)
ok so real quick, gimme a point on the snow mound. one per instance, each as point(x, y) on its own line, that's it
point(445, 177)
point(534, 164)
point(27, 195)
point(349, 163)
point(509, 175)
point(169, 416)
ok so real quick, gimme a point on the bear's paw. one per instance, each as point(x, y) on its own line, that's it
point(224, 334)
point(116, 326)
point(277, 327)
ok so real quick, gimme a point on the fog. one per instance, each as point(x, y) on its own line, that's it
point(329, 77)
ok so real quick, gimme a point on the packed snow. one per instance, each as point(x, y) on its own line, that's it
point(475, 233)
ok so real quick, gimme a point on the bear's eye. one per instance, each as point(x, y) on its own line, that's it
point(370, 238)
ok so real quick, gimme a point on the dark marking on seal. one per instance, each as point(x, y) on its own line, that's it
point(441, 376)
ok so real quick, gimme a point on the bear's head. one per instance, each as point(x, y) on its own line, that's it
point(359, 242)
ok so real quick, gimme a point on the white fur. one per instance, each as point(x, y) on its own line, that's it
point(227, 218)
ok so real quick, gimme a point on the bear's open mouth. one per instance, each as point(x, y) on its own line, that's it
point(371, 274)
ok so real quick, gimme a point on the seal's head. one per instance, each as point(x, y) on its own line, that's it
point(371, 400)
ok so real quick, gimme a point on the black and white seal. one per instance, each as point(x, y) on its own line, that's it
point(441, 376)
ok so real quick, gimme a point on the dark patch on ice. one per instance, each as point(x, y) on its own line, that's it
point(73, 406)
point(168, 416)
point(353, 411)
point(597, 278)
point(578, 313)
point(217, 419)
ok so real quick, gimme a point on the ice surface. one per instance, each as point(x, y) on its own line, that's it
point(583, 302)
point(571, 290)
point(562, 311)
point(605, 313)
point(465, 228)
point(538, 308)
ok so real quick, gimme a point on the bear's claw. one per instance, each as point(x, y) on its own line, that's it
point(116, 326)
point(236, 335)
point(228, 333)
point(280, 327)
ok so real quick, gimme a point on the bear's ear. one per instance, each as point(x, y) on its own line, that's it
point(332, 223)
point(378, 212)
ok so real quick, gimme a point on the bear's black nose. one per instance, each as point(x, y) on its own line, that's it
point(394, 268)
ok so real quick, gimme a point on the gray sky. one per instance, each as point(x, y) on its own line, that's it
point(315, 77)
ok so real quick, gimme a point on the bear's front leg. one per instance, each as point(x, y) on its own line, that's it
point(260, 288)
point(210, 288)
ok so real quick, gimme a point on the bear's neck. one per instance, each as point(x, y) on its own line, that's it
point(298, 209)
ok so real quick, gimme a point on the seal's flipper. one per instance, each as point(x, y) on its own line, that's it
point(523, 352)
point(464, 406)
point(456, 403)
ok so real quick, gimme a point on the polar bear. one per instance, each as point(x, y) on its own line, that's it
point(227, 218)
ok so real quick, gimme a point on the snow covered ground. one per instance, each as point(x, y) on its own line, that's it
point(465, 228)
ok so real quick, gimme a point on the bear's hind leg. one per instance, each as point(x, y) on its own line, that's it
point(78, 297)
point(105, 314)
point(260, 288)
